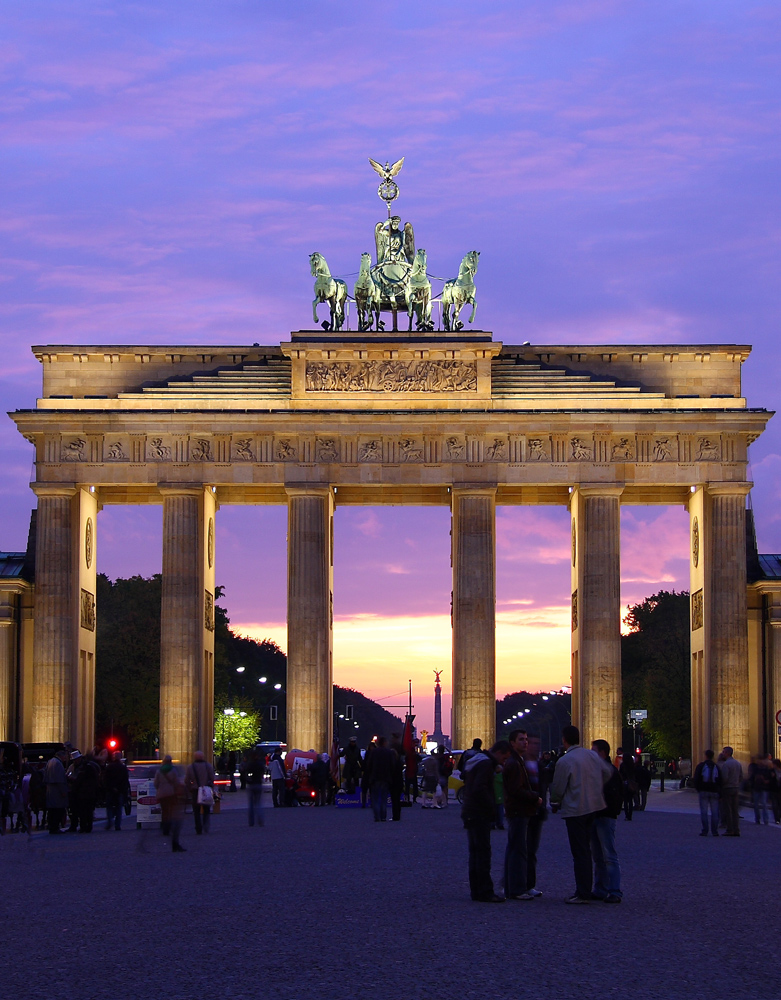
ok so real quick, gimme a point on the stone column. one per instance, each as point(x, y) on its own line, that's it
point(596, 613)
point(310, 617)
point(473, 548)
point(9, 633)
point(55, 640)
point(719, 637)
point(187, 616)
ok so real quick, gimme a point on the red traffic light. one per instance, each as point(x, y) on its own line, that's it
point(113, 744)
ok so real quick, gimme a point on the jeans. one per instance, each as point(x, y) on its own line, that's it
point(479, 838)
point(114, 808)
point(516, 869)
point(379, 793)
point(709, 800)
point(579, 834)
point(731, 809)
point(278, 792)
point(532, 846)
point(760, 799)
point(607, 871)
point(395, 797)
point(254, 794)
point(202, 819)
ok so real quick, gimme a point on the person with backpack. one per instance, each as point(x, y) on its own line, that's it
point(707, 781)
point(607, 870)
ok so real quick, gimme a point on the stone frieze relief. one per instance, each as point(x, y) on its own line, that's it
point(329, 448)
point(391, 376)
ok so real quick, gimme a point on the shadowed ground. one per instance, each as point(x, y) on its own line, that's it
point(324, 905)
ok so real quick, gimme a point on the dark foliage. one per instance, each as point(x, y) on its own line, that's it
point(656, 673)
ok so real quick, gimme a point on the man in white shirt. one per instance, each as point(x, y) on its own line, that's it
point(577, 787)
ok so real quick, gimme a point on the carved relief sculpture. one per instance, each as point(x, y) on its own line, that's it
point(202, 451)
point(159, 451)
point(708, 451)
point(623, 450)
point(208, 618)
point(89, 542)
point(410, 452)
point(370, 451)
point(580, 452)
point(87, 617)
point(496, 452)
point(391, 376)
point(695, 543)
point(244, 450)
point(116, 452)
point(210, 543)
point(662, 450)
point(696, 610)
point(455, 448)
point(285, 451)
point(73, 451)
point(574, 611)
point(327, 450)
point(537, 450)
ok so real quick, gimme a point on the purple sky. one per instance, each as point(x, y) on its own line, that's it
point(167, 169)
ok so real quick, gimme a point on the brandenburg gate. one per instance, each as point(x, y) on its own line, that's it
point(330, 418)
point(376, 416)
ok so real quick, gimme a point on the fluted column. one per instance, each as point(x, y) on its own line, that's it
point(473, 549)
point(54, 644)
point(729, 695)
point(182, 622)
point(309, 617)
point(8, 668)
point(596, 613)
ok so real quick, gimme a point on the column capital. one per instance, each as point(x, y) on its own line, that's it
point(729, 489)
point(54, 489)
point(181, 489)
point(309, 490)
point(599, 489)
point(472, 489)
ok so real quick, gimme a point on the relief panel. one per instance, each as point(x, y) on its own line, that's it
point(391, 376)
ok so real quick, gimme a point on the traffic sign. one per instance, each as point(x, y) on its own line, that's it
point(641, 713)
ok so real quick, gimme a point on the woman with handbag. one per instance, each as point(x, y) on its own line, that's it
point(170, 795)
point(200, 783)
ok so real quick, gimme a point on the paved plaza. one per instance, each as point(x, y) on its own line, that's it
point(323, 904)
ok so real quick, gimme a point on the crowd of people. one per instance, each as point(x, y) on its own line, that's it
point(64, 794)
point(719, 781)
point(584, 785)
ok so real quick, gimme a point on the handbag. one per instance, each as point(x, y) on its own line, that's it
point(205, 795)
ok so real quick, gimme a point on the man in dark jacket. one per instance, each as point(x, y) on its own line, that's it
point(116, 783)
point(351, 772)
point(478, 812)
point(380, 776)
point(521, 804)
point(707, 781)
point(607, 871)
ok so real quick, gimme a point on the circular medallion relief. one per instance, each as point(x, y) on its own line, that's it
point(210, 543)
point(695, 542)
point(88, 542)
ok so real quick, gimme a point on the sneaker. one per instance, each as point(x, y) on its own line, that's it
point(612, 899)
point(535, 892)
point(577, 899)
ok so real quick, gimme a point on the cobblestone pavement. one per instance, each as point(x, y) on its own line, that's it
point(322, 904)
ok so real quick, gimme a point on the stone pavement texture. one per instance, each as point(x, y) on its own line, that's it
point(322, 904)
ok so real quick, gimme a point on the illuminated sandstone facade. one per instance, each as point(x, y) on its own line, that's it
point(376, 418)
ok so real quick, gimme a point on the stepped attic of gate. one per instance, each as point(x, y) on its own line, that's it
point(334, 416)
